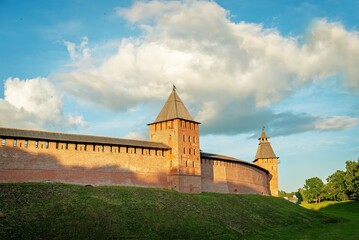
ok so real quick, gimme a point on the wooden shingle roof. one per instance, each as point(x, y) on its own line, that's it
point(174, 108)
point(264, 150)
point(77, 138)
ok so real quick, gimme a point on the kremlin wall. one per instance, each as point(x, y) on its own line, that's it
point(171, 159)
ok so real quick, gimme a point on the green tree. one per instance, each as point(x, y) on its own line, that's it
point(301, 196)
point(335, 188)
point(313, 189)
point(282, 193)
point(352, 178)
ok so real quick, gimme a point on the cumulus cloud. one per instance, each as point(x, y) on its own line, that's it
point(34, 103)
point(227, 71)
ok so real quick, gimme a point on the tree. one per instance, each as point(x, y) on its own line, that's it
point(300, 195)
point(335, 188)
point(313, 189)
point(352, 178)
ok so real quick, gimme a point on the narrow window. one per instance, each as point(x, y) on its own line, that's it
point(110, 148)
point(47, 144)
point(67, 146)
point(37, 144)
point(189, 151)
point(194, 151)
point(194, 139)
point(75, 146)
point(3, 142)
point(184, 150)
point(184, 138)
point(26, 143)
point(85, 147)
point(57, 145)
point(15, 142)
point(189, 138)
point(94, 148)
point(103, 148)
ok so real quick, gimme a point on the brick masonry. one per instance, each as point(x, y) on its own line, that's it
point(180, 167)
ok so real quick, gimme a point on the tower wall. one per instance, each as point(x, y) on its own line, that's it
point(233, 177)
point(184, 157)
point(270, 164)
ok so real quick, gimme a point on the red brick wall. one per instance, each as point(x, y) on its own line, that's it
point(230, 177)
point(183, 137)
point(121, 166)
point(270, 164)
point(129, 166)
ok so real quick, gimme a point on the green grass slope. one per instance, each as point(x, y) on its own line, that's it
point(346, 228)
point(59, 211)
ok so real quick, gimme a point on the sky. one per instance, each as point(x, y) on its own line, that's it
point(107, 67)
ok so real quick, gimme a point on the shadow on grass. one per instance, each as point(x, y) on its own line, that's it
point(348, 207)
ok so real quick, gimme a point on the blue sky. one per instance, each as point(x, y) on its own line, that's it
point(106, 68)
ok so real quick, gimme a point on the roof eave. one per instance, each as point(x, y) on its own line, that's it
point(173, 119)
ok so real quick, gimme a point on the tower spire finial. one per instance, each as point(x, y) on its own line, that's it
point(174, 87)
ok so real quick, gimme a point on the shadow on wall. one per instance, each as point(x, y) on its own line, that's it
point(17, 165)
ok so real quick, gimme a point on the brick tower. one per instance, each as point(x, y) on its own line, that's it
point(175, 127)
point(266, 158)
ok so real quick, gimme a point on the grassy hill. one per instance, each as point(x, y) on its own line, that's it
point(59, 211)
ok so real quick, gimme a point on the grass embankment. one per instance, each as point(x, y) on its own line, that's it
point(59, 211)
point(346, 228)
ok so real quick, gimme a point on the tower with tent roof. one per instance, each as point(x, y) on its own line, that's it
point(266, 158)
point(175, 127)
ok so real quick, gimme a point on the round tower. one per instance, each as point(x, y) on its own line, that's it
point(266, 158)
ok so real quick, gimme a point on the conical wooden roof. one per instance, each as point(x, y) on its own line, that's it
point(174, 109)
point(264, 150)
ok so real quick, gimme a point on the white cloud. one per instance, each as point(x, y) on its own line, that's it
point(336, 122)
point(223, 68)
point(134, 135)
point(34, 103)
